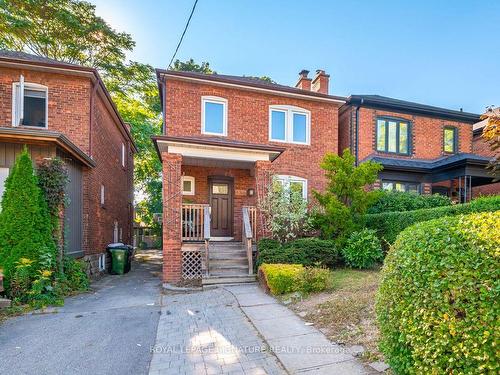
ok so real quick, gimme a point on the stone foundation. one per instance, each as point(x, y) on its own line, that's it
point(92, 265)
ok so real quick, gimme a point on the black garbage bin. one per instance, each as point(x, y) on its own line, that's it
point(121, 258)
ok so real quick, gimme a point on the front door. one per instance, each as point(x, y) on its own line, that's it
point(221, 202)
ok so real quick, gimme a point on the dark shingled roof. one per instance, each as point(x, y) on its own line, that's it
point(247, 81)
point(384, 102)
point(428, 165)
point(18, 55)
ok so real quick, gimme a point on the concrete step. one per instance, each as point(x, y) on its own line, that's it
point(4, 302)
point(216, 280)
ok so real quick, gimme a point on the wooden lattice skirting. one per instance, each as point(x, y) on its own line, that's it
point(192, 264)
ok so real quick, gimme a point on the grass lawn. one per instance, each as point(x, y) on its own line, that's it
point(346, 313)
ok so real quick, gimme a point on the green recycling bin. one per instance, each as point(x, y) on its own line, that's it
point(119, 259)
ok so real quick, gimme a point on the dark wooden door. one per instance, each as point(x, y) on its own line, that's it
point(221, 201)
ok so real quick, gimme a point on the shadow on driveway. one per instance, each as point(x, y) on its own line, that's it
point(107, 331)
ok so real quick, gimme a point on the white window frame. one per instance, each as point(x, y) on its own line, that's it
point(215, 100)
point(4, 173)
point(123, 155)
point(289, 112)
point(16, 100)
point(285, 180)
point(187, 178)
point(103, 195)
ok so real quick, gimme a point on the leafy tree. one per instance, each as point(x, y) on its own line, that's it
point(65, 30)
point(491, 133)
point(25, 225)
point(346, 195)
point(191, 66)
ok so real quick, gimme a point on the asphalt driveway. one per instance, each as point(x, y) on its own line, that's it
point(107, 331)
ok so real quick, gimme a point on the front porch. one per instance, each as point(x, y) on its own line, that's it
point(211, 189)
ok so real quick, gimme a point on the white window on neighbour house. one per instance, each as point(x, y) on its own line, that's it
point(293, 183)
point(4, 173)
point(123, 155)
point(289, 124)
point(102, 195)
point(29, 105)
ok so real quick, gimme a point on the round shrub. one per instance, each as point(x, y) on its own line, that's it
point(437, 306)
point(363, 249)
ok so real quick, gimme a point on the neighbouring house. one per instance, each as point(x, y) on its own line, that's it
point(225, 136)
point(64, 110)
point(423, 149)
point(481, 147)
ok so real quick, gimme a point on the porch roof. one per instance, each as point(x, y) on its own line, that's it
point(208, 151)
point(28, 135)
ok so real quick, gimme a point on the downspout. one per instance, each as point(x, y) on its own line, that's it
point(92, 113)
point(357, 131)
point(164, 105)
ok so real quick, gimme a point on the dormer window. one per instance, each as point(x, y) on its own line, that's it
point(29, 105)
point(213, 115)
point(289, 124)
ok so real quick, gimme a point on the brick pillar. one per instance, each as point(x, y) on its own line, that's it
point(172, 206)
point(426, 188)
point(263, 180)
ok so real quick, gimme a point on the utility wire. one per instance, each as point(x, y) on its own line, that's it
point(183, 33)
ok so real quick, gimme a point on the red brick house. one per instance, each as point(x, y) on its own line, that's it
point(224, 136)
point(64, 110)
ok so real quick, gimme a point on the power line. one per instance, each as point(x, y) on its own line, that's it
point(183, 33)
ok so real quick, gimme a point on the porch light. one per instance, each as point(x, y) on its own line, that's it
point(250, 192)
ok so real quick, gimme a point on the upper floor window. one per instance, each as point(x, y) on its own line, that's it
point(29, 105)
point(103, 195)
point(293, 183)
point(124, 154)
point(213, 115)
point(450, 140)
point(413, 187)
point(289, 124)
point(393, 136)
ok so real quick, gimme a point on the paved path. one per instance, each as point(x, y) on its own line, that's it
point(109, 331)
point(241, 330)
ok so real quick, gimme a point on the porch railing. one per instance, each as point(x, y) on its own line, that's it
point(247, 237)
point(206, 235)
point(252, 213)
point(193, 222)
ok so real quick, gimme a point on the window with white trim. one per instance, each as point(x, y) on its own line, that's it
point(123, 155)
point(29, 105)
point(102, 195)
point(289, 124)
point(293, 183)
point(187, 185)
point(213, 115)
point(4, 173)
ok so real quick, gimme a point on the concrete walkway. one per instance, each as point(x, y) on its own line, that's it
point(241, 330)
point(107, 331)
point(301, 348)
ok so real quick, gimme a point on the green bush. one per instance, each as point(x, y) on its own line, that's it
point(287, 278)
point(363, 249)
point(389, 201)
point(25, 224)
point(75, 279)
point(305, 251)
point(281, 278)
point(437, 306)
point(388, 225)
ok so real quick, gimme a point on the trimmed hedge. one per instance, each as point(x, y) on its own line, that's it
point(287, 278)
point(389, 201)
point(305, 251)
point(363, 249)
point(437, 306)
point(388, 225)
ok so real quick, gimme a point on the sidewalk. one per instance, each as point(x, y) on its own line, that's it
point(300, 348)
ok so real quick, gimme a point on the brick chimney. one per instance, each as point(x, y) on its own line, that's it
point(304, 81)
point(320, 82)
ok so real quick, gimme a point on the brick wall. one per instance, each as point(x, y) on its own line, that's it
point(426, 134)
point(69, 98)
point(248, 121)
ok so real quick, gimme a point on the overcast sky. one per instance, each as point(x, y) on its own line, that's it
point(443, 53)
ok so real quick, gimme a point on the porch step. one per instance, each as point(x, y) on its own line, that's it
point(216, 263)
point(216, 280)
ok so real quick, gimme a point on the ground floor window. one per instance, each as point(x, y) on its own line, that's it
point(293, 183)
point(413, 187)
point(187, 185)
point(4, 173)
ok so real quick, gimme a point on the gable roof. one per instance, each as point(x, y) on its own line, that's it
point(249, 82)
point(384, 102)
point(18, 57)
